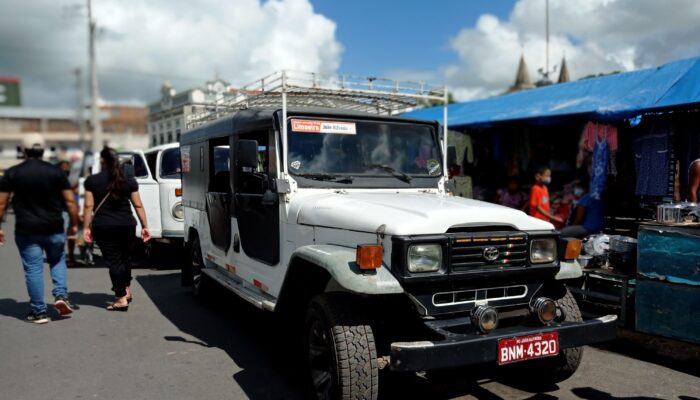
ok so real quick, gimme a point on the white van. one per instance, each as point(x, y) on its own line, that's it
point(167, 219)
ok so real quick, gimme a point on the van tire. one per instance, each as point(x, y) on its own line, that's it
point(340, 352)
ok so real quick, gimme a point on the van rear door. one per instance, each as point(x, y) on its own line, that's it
point(148, 190)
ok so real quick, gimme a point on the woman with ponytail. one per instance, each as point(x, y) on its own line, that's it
point(109, 196)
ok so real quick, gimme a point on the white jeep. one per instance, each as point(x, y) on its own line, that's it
point(342, 223)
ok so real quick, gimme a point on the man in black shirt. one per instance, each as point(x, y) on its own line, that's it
point(41, 193)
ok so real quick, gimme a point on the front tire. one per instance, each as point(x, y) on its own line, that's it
point(564, 365)
point(340, 348)
point(556, 369)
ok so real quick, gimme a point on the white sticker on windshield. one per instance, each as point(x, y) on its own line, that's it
point(313, 126)
point(433, 167)
point(295, 164)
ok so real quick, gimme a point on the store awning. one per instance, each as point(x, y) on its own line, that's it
point(612, 97)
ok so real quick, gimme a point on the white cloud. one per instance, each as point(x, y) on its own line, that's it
point(596, 36)
point(143, 43)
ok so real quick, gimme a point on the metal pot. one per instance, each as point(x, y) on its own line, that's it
point(669, 213)
point(623, 244)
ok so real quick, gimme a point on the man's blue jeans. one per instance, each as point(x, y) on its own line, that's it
point(31, 250)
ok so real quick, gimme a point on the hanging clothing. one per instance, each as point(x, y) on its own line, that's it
point(599, 169)
point(595, 131)
point(652, 163)
point(463, 147)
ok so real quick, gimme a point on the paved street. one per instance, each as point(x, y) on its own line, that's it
point(169, 347)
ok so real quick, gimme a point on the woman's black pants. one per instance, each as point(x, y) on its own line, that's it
point(116, 244)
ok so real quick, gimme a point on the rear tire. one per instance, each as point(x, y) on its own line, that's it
point(340, 348)
point(199, 281)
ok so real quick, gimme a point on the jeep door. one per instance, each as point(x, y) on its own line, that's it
point(218, 195)
point(256, 203)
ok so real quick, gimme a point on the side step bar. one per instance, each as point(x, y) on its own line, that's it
point(251, 295)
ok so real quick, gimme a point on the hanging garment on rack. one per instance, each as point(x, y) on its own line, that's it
point(652, 164)
point(596, 131)
point(599, 169)
point(463, 147)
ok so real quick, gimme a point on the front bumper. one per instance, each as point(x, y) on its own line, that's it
point(458, 350)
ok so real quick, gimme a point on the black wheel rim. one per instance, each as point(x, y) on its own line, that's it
point(320, 359)
point(196, 271)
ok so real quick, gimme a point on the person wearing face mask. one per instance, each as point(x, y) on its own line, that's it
point(539, 196)
point(587, 217)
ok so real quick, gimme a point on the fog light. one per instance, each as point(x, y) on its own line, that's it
point(545, 308)
point(485, 318)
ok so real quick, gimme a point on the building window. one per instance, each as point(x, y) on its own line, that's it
point(177, 122)
point(160, 126)
point(162, 138)
point(168, 124)
point(177, 135)
point(170, 137)
point(154, 141)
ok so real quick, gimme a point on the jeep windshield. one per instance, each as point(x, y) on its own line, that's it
point(341, 153)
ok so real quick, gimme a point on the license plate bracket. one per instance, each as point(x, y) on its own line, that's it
point(528, 347)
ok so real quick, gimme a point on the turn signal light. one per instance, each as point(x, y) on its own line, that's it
point(369, 256)
point(178, 192)
point(573, 249)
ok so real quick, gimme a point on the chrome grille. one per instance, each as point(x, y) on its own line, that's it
point(469, 252)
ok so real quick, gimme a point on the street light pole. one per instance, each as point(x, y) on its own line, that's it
point(97, 141)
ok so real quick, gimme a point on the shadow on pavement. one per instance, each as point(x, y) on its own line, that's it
point(99, 300)
point(632, 350)
point(258, 346)
point(265, 351)
point(589, 393)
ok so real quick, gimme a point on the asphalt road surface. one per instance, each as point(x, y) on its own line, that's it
point(167, 346)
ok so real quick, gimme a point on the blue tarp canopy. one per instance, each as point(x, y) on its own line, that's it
point(608, 98)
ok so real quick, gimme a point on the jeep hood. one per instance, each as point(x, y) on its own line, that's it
point(405, 213)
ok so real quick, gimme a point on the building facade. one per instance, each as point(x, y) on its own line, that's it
point(124, 127)
point(168, 116)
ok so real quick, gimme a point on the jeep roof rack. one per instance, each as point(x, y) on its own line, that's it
point(306, 89)
point(287, 88)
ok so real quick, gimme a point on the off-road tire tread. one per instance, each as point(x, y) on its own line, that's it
point(355, 349)
point(570, 358)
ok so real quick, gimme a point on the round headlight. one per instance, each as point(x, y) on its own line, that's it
point(485, 318)
point(178, 211)
point(543, 251)
point(545, 309)
point(424, 257)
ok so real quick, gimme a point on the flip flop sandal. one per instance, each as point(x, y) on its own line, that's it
point(115, 307)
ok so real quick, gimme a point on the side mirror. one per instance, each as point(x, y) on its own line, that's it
point(247, 154)
point(451, 156)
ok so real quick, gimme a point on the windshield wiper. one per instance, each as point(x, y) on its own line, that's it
point(397, 174)
point(327, 177)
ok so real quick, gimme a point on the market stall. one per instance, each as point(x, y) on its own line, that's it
point(628, 140)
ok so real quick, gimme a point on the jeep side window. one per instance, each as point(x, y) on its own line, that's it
point(256, 181)
point(220, 169)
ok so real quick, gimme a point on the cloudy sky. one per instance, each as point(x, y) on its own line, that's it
point(472, 46)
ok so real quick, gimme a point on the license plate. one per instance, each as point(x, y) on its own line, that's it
point(528, 347)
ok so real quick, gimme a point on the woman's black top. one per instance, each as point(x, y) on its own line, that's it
point(116, 210)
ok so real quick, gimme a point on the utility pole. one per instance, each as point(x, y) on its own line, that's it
point(80, 109)
point(546, 61)
point(97, 141)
